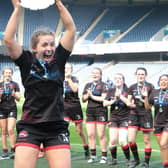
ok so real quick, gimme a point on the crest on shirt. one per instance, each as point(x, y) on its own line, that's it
point(23, 134)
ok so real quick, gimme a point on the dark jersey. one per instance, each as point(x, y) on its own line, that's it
point(7, 100)
point(118, 109)
point(43, 84)
point(159, 99)
point(70, 98)
point(97, 89)
point(135, 91)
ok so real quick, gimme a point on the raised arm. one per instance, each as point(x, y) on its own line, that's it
point(13, 47)
point(68, 38)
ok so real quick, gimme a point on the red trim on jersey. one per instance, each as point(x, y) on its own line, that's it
point(57, 147)
point(73, 121)
point(76, 121)
point(27, 144)
point(158, 134)
point(67, 119)
point(145, 129)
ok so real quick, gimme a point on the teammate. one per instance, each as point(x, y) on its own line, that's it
point(159, 99)
point(139, 118)
point(94, 93)
point(9, 92)
point(72, 106)
point(42, 72)
point(118, 127)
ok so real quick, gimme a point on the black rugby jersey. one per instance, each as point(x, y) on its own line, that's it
point(159, 99)
point(97, 89)
point(135, 90)
point(70, 97)
point(43, 86)
point(7, 100)
point(118, 108)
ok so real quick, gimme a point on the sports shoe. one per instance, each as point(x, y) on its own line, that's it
point(4, 156)
point(112, 162)
point(133, 164)
point(92, 159)
point(144, 165)
point(87, 154)
point(103, 160)
point(12, 155)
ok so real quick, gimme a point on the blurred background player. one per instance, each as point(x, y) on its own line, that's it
point(9, 92)
point(159, 99)
point(139, 118)
point(94, 93)
point(118, 127)
point(72, 106)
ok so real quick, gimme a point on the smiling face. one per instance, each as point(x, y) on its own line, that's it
point(45, 48)
point(118, 80)
point(7, 74)
point(141, 75)
point(96, 75)
point(68, 69)
point(163, 82)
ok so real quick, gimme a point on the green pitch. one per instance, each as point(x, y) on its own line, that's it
point(78, 160)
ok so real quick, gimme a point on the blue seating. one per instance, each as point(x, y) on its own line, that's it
point(118, 18)
point(150, 25)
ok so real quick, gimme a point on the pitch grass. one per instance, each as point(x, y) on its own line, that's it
point(77, 153)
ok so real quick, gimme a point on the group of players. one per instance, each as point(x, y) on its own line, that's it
point(130, 111)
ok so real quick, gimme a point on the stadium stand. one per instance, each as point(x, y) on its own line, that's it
point(146, 29)
point(119, 17)
point(42, 18)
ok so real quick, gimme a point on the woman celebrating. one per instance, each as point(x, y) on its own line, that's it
point(159, 99)
point(118, 127)
point(72, 106)
point(9, 92)
point(139, 118)
point(95, 92)
point(42, 72)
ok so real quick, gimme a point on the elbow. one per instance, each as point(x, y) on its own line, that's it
point(8, 42)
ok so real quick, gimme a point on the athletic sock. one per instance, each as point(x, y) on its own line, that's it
point(104, 154)
point(134, 150)
point(165, 164)
point(86, 147)
point(148, 152)
point(12, 149)
point(113, 151)
point(5, 150)
point(126, 151)
point(93, 152)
